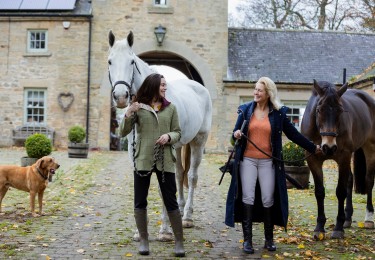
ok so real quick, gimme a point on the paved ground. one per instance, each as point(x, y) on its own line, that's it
point(89, 215)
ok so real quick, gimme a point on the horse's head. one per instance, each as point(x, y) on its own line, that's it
point(328, 111)
point(121, 69)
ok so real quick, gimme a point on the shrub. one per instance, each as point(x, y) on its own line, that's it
point(294, 154)
point(38, 145)
point(76, 134)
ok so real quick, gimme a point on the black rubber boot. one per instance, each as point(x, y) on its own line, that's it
point(268, 230)
point(140, 216)
point(176, 223)
point(247, 228)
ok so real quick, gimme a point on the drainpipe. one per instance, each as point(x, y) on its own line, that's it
point(88, 83)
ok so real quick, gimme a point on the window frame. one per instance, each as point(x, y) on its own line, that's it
point(160, 4)
point(296, 104)
point(26, 107)
point(29, 40)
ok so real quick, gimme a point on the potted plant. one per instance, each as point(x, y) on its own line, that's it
point(37, 146)
point(295, 165)
point(76, 147)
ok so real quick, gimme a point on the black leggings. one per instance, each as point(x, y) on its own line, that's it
point(168, 189)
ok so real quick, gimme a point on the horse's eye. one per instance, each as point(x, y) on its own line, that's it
point(132, 62)
point(109, 62)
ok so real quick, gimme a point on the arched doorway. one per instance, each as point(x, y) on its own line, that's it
point(174, 61)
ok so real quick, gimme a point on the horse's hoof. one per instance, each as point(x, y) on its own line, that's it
point(319, 235)
point(165, 237)
point(347, 223)
point(187, 223)
point(369, 224)
point(336, 234)
point(136, 237)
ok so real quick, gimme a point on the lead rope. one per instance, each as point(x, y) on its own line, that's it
point(158, 154)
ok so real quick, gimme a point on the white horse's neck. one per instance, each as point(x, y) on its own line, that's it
point(144, 71)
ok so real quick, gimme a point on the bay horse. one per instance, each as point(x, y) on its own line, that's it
point(194, 107)
point(343, 121)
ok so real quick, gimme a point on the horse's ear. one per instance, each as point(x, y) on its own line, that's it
point(130, 39)
point(318, 88)
point(342, 89)
point(111, 38)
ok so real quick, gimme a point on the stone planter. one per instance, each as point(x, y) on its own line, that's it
point(78, 150)
point(27, 161)
point(300, 174)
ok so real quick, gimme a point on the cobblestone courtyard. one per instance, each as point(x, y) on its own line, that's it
point(89, 215)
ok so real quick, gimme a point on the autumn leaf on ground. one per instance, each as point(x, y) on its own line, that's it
point(128, 254)
point(208, 244)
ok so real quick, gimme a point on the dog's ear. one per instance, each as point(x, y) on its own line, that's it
point(39, 163)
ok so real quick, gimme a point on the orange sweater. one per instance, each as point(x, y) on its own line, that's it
point(259, 132)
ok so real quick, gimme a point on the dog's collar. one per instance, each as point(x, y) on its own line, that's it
point(41, 174)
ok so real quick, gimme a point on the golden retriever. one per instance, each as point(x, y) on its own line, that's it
point(32, 179)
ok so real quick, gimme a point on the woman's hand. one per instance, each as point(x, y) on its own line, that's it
point(237, 134)
point(163, 139)
point(134, 107)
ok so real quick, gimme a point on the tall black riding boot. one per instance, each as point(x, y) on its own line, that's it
point(247, 228)
point(140, 216)
point(268, 230)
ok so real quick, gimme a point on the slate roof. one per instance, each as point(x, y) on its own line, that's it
point(297, 56)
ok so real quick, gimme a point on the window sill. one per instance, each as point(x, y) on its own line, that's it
point(37, 54)
point(160, 10)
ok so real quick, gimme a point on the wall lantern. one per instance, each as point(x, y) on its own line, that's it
point(160, 33)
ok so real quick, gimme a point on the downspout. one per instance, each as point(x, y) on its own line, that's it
point(88, 83)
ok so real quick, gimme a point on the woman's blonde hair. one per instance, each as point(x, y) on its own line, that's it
point(271, 91)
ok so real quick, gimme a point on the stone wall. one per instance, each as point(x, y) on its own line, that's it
point(62, 69)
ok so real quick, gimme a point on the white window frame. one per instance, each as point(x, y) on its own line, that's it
point(160, 3)
point(38, 43)
point(297, 110)
point(35, 106)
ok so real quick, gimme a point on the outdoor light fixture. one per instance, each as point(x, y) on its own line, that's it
point(160, 33)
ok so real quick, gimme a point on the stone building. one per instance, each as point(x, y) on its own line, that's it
point(53, 59)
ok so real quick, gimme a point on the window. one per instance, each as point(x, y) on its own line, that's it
point(295, 112)
point(160, 2)
point(37, 41)
point(35, 106)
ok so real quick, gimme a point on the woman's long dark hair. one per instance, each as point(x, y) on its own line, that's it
point(149, 89)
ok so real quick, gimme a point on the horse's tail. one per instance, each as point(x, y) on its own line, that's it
point(359, 171)
point(185, 158)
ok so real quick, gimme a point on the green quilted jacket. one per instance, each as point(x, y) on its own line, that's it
point(150, 126)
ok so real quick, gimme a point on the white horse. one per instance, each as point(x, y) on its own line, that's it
point(194, 107)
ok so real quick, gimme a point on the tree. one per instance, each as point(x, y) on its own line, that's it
point(352, 15)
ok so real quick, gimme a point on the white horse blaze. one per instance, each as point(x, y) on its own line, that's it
point(194, 107)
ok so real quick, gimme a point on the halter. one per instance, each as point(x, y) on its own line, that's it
point(129, 86)
point(329, 134)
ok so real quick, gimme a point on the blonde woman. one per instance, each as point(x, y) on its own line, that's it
point(258, 192)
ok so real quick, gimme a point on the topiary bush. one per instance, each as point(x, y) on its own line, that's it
point(38, 145)
point(76, 134)
point(293, 153)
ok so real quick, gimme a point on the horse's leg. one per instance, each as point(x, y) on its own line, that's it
point(165, 232)
point(341, 194)
point(349, 203)
point(197, 147)
point(315, 166)
point(180, 180)
point(369, 219)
